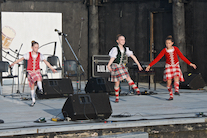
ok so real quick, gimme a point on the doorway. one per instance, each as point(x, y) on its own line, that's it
point(161, 25)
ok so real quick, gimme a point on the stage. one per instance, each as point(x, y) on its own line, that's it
point(133, 115)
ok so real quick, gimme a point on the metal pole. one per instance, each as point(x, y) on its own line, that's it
point(79, 52)
point(151, 80)
point(74, 54)
point(18, 66)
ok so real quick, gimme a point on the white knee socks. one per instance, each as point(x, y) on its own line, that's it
point(39, 85)
point(33, 95)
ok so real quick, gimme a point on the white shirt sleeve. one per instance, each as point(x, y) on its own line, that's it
point(26, 56)
point(128, 52)
point(113, 52)
point(42, 57)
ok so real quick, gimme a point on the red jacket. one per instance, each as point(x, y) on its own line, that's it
point(33, 63)
point(171, 57)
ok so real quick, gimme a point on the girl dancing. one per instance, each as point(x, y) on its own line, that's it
point(117, 68)
point(172, 67)
point(33, 68)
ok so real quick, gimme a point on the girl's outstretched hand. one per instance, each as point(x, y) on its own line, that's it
point(109, 68)
point(148, 68)
point(193, 65)
point(11, 65)
point(54, 71)
point(140, 68)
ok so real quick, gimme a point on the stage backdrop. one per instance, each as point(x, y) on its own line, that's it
point(20, 28)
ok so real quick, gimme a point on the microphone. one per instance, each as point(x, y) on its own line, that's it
point(56, 30)
point(60, 33)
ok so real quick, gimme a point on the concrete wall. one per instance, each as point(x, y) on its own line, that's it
point(132, 19)
point(196, 32)
point(72, 12)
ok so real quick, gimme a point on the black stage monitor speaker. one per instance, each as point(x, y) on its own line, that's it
point(192, 81)
point(87, 106)
point(55, 88)
point(99, 85)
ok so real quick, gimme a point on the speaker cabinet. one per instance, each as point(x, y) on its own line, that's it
point(99, 85)
point(87, 106)
point(192, 81)
point(55, 88)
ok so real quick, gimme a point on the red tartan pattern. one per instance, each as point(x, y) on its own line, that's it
point(170, 91)
point(172, 71)
point(118, 73)
point(33, 77)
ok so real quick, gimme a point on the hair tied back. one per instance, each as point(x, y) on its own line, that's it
point(169, 37)
point(33, 42)
point(117, 37)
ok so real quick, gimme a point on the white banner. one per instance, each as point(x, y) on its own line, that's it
point(20, 28)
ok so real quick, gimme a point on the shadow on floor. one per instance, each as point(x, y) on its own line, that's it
point(55, 112)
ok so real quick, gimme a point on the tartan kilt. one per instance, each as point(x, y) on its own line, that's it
point(33, 77)
point(172, 71)
point(118, 73)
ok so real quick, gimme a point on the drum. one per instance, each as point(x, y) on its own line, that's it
point(8, 35)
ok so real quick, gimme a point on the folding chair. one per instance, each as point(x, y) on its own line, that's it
point(5, 67)
point(70, 68)
point(55, 63)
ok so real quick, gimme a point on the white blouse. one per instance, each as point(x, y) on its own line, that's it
point(113, 52)
point(26, 56)
point(170, 50)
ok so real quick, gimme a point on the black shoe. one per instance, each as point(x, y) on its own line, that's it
point(40, 120)
point(32, 104)
point(117, 100)
point(138, 93)
point(171, 98)
point(40, 91)
point(177, 93)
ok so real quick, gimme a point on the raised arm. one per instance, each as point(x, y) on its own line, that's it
point(48, 64)
point(160, 55)
point(112, 53)
point(17, 61)
point(109, 64)
point(136, 61)
point(180, 54)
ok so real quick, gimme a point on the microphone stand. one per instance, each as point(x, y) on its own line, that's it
point(79, 65)
point(17, 57)
point(79, 48)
